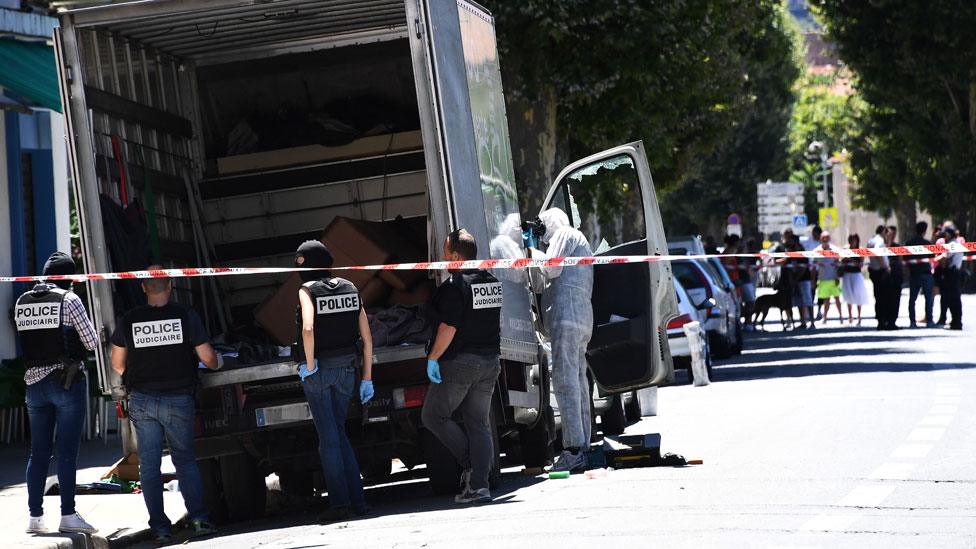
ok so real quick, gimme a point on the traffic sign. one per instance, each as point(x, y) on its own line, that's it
point(828, 218)
point(800, 221)
point(734, 219)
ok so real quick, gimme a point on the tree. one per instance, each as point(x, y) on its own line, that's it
point(916, 68)
point(582, 76)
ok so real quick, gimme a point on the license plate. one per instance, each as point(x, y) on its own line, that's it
point(287, 413)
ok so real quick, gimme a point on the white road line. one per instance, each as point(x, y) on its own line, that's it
point(868, 495)
point(944, 409)
point(926, 434)
point(830, 522)
point(947, 389)
point(892, 471)
point(912, 451)
point(947, 373)
point(948, 399)
point(936, 420)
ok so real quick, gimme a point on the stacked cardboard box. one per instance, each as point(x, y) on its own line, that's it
point(354, 242)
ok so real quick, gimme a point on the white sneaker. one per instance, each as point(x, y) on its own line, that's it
point(74, 523)
point(36, 526)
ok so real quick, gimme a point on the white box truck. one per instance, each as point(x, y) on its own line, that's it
point(246, 126)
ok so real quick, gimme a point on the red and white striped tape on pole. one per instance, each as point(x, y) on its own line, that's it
point(518, 263)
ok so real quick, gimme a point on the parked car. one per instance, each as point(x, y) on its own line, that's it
point(721, 322)
point(689, 311)
point(730, 341)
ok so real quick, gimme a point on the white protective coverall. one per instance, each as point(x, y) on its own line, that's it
point(568, 316)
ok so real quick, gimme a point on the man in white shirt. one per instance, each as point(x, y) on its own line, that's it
point(951, 280)
point(879, 271)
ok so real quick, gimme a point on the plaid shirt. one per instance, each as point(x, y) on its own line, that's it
point(72, 314)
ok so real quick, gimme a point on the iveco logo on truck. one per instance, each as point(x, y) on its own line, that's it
point(157, 332)
point(487, 295)
point(38, 316)
point(331, 304)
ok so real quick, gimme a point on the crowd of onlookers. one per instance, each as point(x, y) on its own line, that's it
point(814, 285)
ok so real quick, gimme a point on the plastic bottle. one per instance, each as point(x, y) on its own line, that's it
point(558, 474)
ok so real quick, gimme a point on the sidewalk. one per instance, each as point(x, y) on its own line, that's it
point(120, 518)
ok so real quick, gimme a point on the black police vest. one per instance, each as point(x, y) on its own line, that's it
point(37, 316)
point(480, 329)
point(337, 304)
point(160, 354)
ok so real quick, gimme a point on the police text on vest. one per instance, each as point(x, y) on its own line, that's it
point(157, 332)
point(38, 316)
point(331, 304)
point(487, 295)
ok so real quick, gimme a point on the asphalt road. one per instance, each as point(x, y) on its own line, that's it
point(841, 437)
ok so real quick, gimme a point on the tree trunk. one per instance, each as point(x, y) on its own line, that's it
point(535, 147)
point(905, 216)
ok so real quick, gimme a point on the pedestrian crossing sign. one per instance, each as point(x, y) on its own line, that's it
point(828, 218)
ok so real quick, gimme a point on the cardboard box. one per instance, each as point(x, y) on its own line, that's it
point(276, 314)
point(126, 468)
point(375, 292)
point(421, 293)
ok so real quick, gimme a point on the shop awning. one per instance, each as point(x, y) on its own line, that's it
point(27, 71)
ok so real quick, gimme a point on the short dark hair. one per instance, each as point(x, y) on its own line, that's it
point(921, 227)
point(880, 229)
point(463, 243)
point(156, 285)
point(893, 228)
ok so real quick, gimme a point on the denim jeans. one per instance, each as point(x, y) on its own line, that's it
point(52, 409)
point(328, 392)
point(468, 381)
point(171, 414)
point(923, 282)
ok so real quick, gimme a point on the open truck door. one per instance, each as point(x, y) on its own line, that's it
point(610, 197)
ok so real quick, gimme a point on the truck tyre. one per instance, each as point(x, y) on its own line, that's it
point(614, 421)
point(632, 410)
point(243, 487)
point(442, 469)
point(536, 443)
point(377, 469)
point(212, 500)
point(296, 483)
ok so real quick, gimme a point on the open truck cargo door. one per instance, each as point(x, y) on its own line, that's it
point(610, 197)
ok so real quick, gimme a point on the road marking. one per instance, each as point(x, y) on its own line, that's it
point(936, 420)
point(947, 373)
point(926, 434)
point(869, 495)
point(948, 399)
point(829, 522)
point(944, 409)
point(912, 451)
point(893, 471)
point(947, 389)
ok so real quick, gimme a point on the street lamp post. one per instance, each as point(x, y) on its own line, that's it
point(812, 150)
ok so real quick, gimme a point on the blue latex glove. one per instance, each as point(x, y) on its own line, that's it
point(433, 370)
point(365, 391)
point(303, 371)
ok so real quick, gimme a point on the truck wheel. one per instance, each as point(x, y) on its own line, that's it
point(535, 443)
point(632, 410)
point(210, 475)
point(442, 469)
point(613, 420)
point(296, 483)
point(243, 487)
point(378, 469)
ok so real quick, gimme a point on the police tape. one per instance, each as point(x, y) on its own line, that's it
point(513, 263)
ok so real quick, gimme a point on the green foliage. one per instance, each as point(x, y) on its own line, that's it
point(916, 68)
point(685, 77)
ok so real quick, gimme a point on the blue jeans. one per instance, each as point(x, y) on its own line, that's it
point(52, 409)
point(171, 414)
point(924, 282)
point(328, 392)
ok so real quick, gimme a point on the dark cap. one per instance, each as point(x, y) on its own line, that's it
point(59, 263)
point(316, 255)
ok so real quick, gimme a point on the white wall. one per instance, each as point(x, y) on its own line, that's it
point(62, 179)
point(8, 346)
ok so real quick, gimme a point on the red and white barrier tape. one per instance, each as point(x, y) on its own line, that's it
point(518, 263)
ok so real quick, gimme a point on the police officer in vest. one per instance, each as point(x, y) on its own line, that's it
point(155, 348)
point(467, 340)
point(54, 332)
point(332, 325)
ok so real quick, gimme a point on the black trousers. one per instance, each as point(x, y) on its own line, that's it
point(952, 295)
point(895, 284)
point(879, 281)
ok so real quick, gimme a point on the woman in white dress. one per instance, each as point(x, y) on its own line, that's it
point(852, 285)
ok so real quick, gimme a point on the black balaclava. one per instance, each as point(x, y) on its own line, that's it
point(316, 255)
point(59, 263)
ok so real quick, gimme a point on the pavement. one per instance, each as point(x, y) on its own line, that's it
point(120, 518)
point(838, 437)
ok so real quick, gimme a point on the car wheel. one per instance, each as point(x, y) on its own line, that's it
point(719, 345)
point(632, 409)
point(737, 344)
point(536, 443)
point(442, 469)
point(614, 421)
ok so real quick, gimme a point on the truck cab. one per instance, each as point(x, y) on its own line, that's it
point(235, 129)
